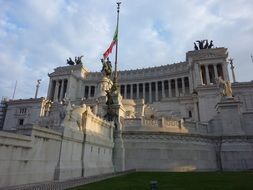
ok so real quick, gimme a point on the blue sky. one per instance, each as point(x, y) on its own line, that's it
point(38, 35)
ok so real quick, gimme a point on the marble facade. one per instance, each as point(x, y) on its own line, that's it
point(171, 118)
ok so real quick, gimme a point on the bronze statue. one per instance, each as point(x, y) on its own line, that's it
point(107, 67)
point(211, 44)
point(200, 42)
point(111, 114)
point(195, 46)
point(70, 62)
point(206, 44)
point(78, 60)
point(203, 44)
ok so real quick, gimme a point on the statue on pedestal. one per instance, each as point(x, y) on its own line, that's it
point(110, 115)
point(107, 67)
point(227, 90)
point(78, 60)
point(70, 62)
point(203, 44)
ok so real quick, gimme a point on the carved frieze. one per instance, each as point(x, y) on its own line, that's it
point(205, 54)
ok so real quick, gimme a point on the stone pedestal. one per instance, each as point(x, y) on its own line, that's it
point(119, 149)
point(229, 114)
point(101, 106)
point(103, 85)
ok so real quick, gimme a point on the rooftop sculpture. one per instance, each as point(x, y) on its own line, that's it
point(203, 44)
point(78, 60)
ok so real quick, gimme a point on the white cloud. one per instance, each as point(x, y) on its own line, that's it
point(37, 36)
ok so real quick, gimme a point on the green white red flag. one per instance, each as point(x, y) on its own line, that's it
point(114, 42)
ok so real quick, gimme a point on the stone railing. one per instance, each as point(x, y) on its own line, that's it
point(166, 124)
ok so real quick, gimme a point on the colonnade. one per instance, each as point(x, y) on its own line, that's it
point(89, 91)
point(150, 91)
point(57, 89)
point(210, 72)
point(156, 90)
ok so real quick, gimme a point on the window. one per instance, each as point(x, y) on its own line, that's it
point(21, 122)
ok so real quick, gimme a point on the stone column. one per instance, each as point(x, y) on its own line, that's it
point(84, 90)
point(137, 91)
point(183, 85)
point(56, 91)
point(125, 91)
point(201, 73)
point(68, 91)
point(163, 90)
point(61, 93)
point(232, 69)
point(131, 91)
point(196, 111)
point(50, 90)
point(170, 94)
point(95, 90)
point(156, 90)
point(207, 75)
point(143, 91)
point(65, 90)
point(176, 88)
point(195, 73)
point(215, 71)
point(150, 92)
point(89, 93)
point(225, 71)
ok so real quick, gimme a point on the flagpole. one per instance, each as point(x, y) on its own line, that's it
point(115, 79)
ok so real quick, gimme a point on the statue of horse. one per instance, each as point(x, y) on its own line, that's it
point(107, 67)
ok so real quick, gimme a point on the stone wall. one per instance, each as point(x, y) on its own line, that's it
point(237, 153)
point(46, 155)
point(169, 152)
point(187, 152)
point(98, 146)
point(28, 159)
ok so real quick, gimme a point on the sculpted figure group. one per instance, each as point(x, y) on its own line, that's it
point(78, 61)
point(203, 44)
point(226, 85)
point(107, 67)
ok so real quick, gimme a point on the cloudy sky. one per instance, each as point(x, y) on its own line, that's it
point(38, 35)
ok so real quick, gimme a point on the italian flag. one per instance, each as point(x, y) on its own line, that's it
point(114, 41)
